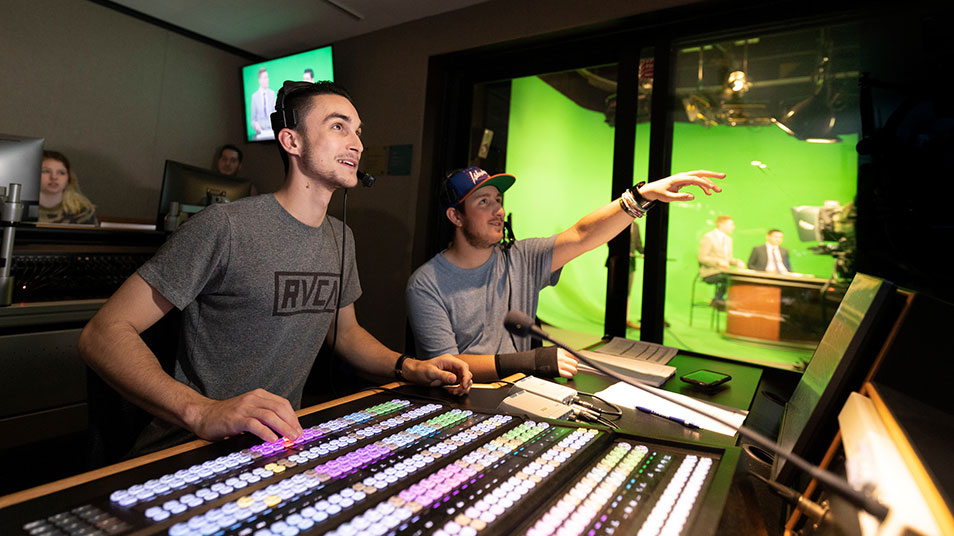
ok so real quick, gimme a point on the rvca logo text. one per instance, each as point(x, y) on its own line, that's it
point(305, 292)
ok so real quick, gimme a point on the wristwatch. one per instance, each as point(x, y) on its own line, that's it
point(398, 373)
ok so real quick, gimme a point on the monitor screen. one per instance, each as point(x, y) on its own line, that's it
point(20, 161)
point(194, 188)
point(840, 362)
point(261, 82)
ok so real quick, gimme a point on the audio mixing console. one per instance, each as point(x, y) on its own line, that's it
point(381, 465)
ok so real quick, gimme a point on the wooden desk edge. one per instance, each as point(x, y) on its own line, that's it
point(82, 478)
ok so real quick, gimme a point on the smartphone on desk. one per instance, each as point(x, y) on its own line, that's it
point(705, 379)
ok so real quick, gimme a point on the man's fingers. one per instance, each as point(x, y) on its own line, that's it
point(256, 427)
point(706, 173)
point(277, 423)
point(278, 413)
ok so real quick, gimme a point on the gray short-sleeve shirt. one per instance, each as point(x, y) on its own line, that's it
point(460, 311)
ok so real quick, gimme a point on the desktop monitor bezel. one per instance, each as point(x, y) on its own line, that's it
point(21, 156)
point(176, 179)
point(808, 431)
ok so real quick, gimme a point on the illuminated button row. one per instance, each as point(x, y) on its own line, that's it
point(671, 511)
point(335, 425)
point(383, 448)
point(231, 515)
point(152, 489)
point(497, 501)
point(283, 491)
point(250, 477)
point(388, 514)
point(574, 512)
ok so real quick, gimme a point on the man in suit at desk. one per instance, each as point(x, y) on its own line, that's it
point(771, 256)
point(263, 104)
point(715, 255)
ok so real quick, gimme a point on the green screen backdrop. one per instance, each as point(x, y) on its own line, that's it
point(562, 157)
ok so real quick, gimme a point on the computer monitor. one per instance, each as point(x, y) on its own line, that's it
point(839, 365)
point(261, 82)
point(20, 161)
point(194, 187)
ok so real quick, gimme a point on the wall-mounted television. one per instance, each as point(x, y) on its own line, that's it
point(261, 82)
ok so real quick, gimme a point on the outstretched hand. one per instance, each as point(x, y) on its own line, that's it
point(441, 370)
point(259, 412)
point(667, 190)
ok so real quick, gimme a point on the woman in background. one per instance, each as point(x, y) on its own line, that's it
point(60, 197)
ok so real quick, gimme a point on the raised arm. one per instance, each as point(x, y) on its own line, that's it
point(598, 227)
point(111, 345)
point(366, 353)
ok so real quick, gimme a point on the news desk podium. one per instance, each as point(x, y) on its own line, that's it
point(783, 309)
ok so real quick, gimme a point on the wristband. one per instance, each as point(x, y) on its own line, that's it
point(641, 202)
point(629, 206)
point(400, 365)
point(542, 361)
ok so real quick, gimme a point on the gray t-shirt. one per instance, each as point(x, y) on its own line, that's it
point(460, 311)
point(258, 290)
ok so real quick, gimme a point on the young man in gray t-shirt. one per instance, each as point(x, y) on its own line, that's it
point(257, 283)
point(457, 300)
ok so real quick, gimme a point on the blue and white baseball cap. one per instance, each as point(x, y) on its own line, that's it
point(465, 181)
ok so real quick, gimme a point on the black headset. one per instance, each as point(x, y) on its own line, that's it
point(448, 196)
point(280, 118)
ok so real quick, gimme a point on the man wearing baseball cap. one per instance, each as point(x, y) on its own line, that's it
point(457, 300)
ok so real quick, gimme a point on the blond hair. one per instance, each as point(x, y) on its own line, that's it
point(73, 201)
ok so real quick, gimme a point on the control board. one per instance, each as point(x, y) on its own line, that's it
point(383, 465)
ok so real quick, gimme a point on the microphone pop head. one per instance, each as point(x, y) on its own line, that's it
point(366, 179)
point(518, 323)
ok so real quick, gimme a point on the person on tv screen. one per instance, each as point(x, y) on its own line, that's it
point(258, 286)
point(771, 256)
point(60, 198)
point(457, 300)
point(715, 255)
point(228, 160)
point(262, 105)
point(308, 75)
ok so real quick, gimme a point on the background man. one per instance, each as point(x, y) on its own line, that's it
point(308, 75)
point(263, 104)
point(228, 160)
point(715, 255)
point(458, 299)
point(771, 256)
point(251, 279)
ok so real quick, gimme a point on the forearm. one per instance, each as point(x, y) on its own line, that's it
point(594, 229)
point(118, 354)
point(483, 367)
point(365, 352)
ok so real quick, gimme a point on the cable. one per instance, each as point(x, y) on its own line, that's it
point(344, 225)
point(616, 412)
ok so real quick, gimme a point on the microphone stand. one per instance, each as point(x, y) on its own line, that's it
point(11, 211)
point(520, 324)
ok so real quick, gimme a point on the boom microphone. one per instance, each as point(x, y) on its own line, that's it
point(521, 325)
point(366, 179)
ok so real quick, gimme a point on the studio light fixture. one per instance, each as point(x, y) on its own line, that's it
point(813, 119)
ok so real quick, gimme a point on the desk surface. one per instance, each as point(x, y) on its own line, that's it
point(737, 393)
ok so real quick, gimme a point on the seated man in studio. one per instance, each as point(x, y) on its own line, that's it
point(771, 256)
point(715, 255)
point(252, 281)
point(457, 300)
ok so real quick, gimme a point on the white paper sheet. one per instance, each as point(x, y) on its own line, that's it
point(626, 395)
